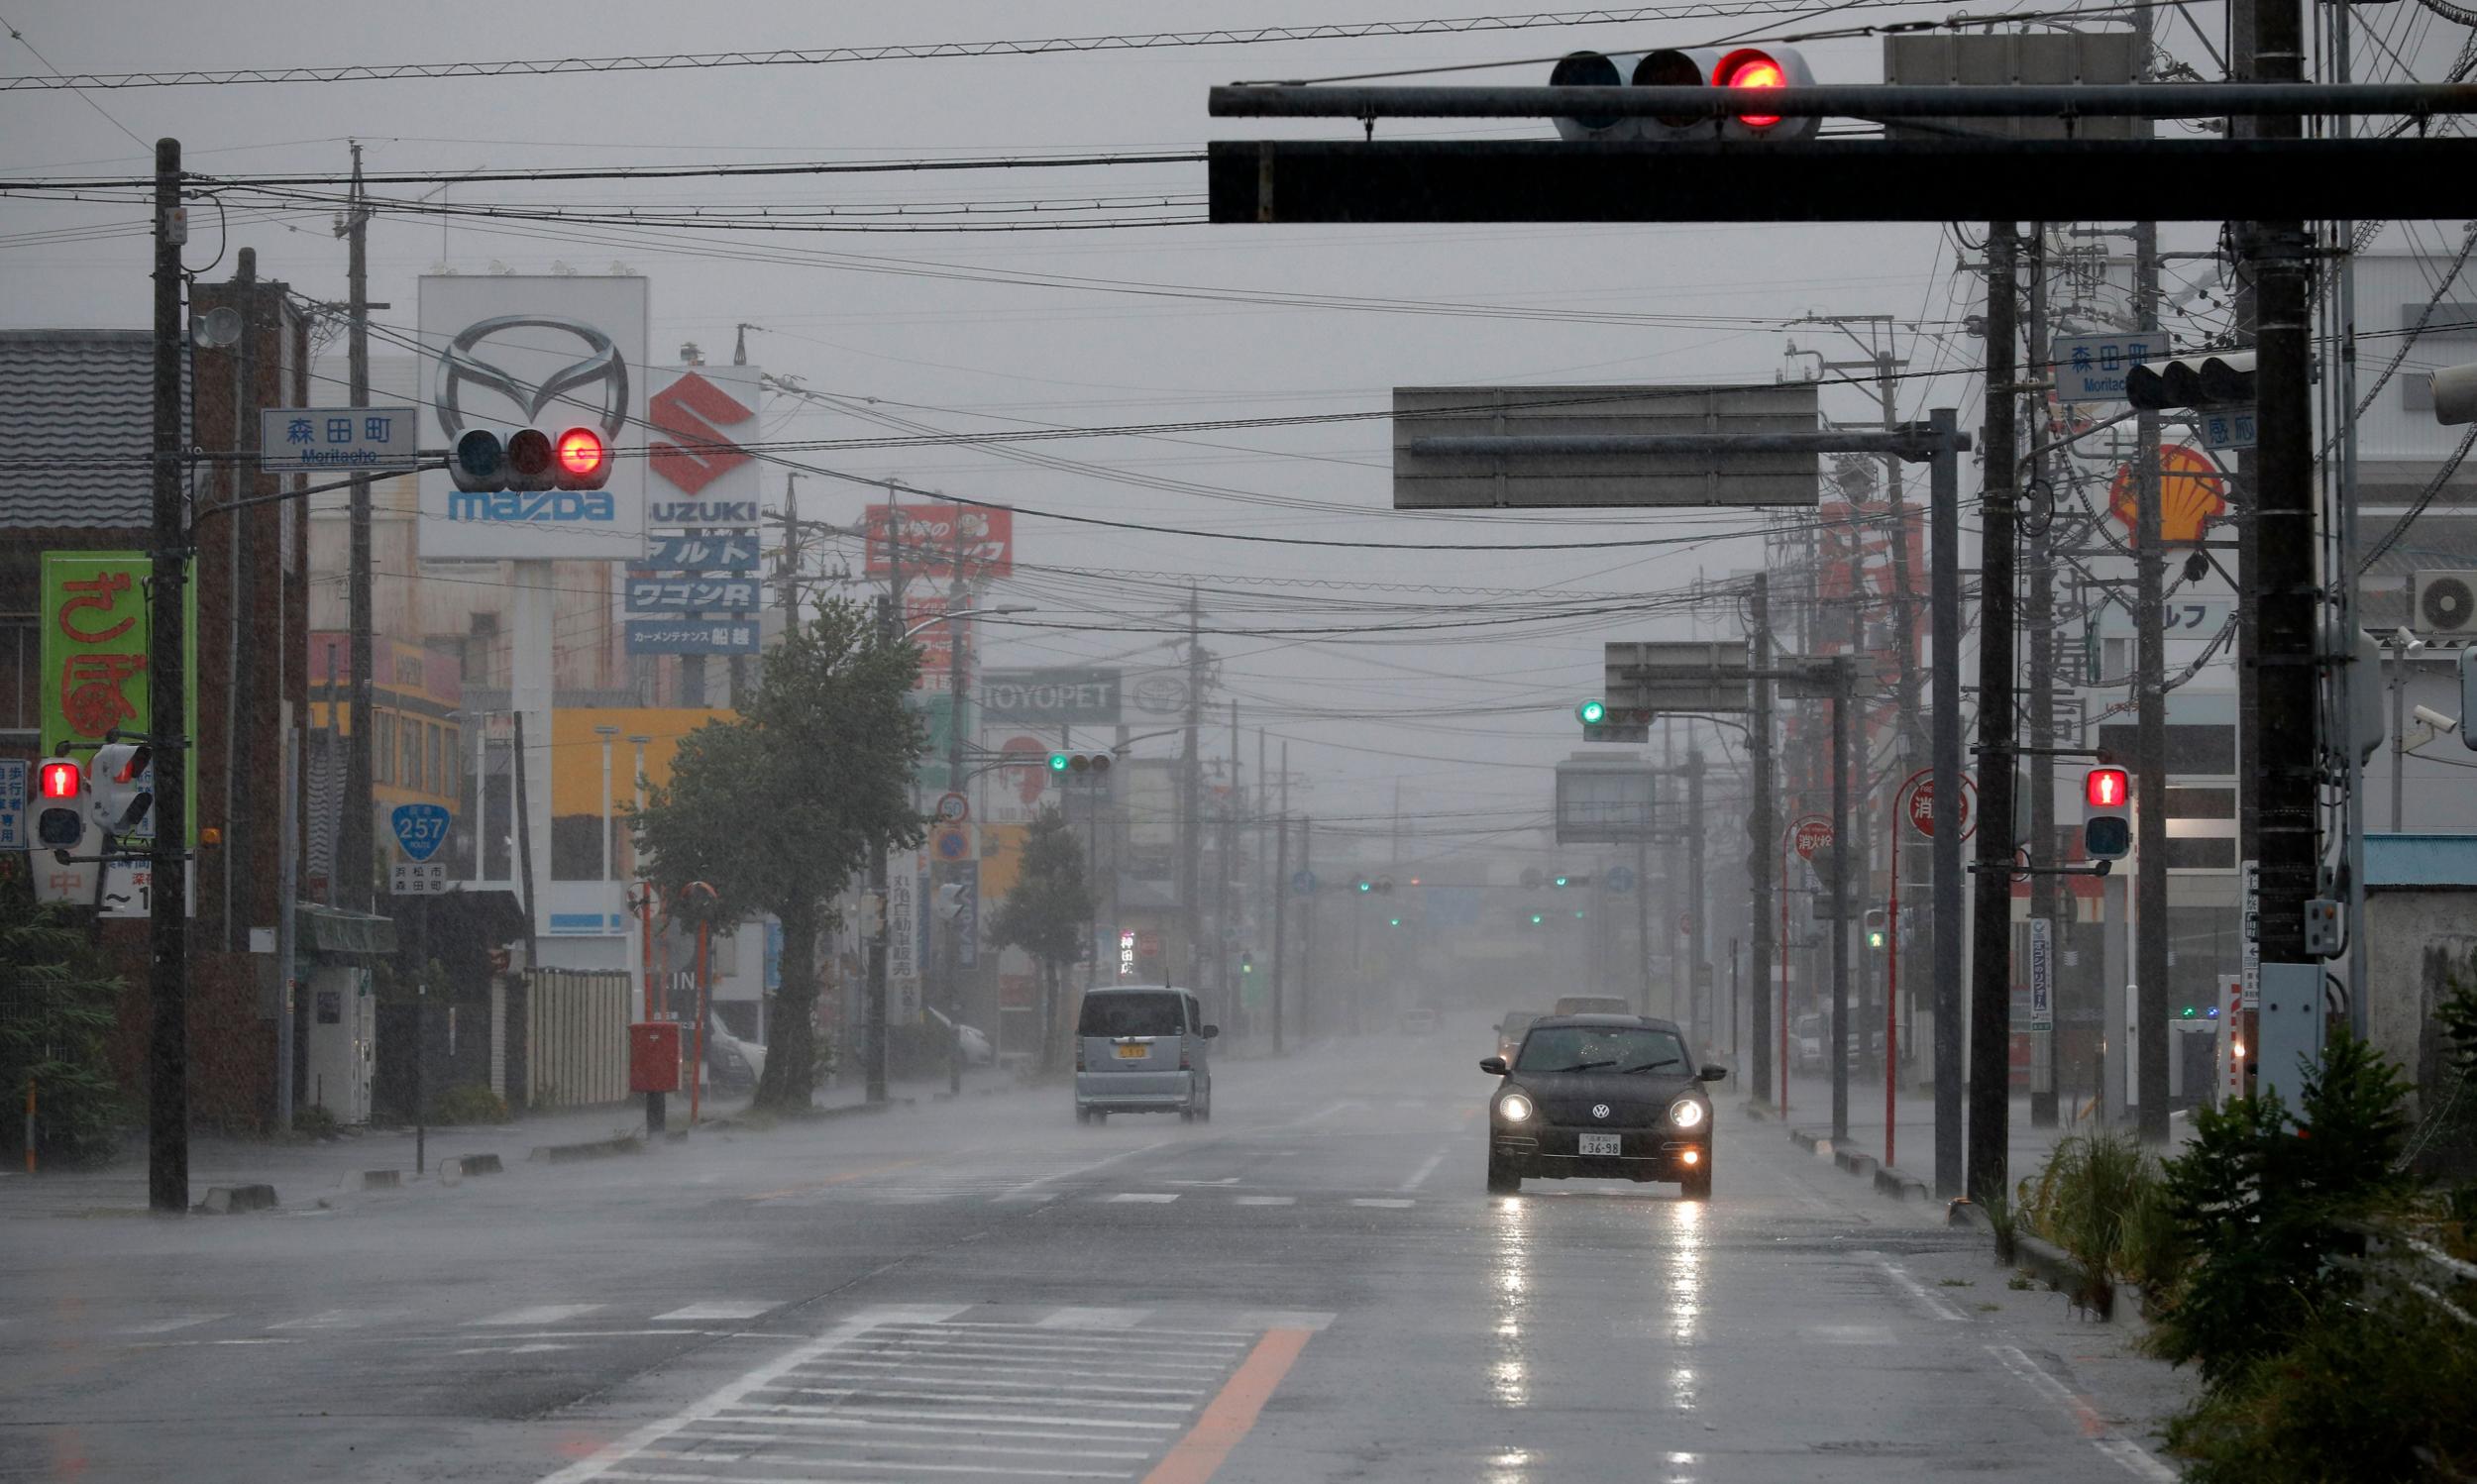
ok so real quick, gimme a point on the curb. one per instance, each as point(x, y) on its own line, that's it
point(452, 1171)
point(1900, 1186)
point(1851, 1162)
point(626, 1143)
point(1810, 1142)
point(375, 1180)
point(232, 1200)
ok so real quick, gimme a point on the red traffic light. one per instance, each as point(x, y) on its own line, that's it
point(581, 455)
point(2106, 788)
point(58, 779)
point(1751, 67)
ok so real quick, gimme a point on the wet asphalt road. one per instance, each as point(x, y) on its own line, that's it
point(1312, 1287)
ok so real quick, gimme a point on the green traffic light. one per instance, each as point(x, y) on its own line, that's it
point(1592, 712)
point(1577, 916)
point(1560, 881)
point(1058, 762)
point(1395, 921)
point(1537, 919)
point(1874, 937)
point(1367, 886)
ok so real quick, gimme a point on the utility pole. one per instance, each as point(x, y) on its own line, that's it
point(2150, 924)
point(1281, 895)
point(1191, 798)
point(1697, 998)
point(873, 1013)
point(2038, 619)
point(353, 855)
point(1225, 927)
point(167, 976)
point(1944, 577)
point(1991, 970)
point(1844, 699)
point(1763, 829)
point(958, 683)
point(1307, 930)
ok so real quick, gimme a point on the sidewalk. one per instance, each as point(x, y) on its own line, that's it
point(302, 1172)
point(1913, 1130)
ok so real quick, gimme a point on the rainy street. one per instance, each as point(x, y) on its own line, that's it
point(1312, 1286)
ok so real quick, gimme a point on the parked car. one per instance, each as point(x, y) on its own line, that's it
point(1601, 1097)
point(1142, 1048)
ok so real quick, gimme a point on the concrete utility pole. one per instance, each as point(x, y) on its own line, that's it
point(1991, 972)
point(2150, 908)
point(873, 1012)
point(1696, 997)
point(1307, 932)
point(1225, 920)
point(167, 733)
point(1763, 832)
point(958, 685)
point(1281, 896)
point(1191, 798)
point(1844, 701)
point(2038, 617)
point(355, 858)
point(1944, 575)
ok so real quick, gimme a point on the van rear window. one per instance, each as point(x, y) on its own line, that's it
point(1131, 1014)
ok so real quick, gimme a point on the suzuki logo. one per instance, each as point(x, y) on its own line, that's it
point(601, 368)
point(688, 409)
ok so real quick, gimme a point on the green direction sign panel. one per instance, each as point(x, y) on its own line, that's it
point(93, 664)
point(936, 711)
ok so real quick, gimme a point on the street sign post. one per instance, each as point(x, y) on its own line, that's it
point(420, 828)
point(12, 803)
point(1643, 679)
point(1921, 809)
point(1303, 882)
point(2042, 975)
point(1573, 447)
point(2093, 367)
point(953, 809)
point(322, 440)
point(417, 878)
point(1811, 835)
point(1619, 880)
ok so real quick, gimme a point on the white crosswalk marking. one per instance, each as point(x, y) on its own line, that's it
point(1382, 1203)
point(1265, 1200)
point(539, 1315)
point(1155, 1198)
point(1094, 1319)
point(167, 1325)
point(718, 1309)
point(325, 1319)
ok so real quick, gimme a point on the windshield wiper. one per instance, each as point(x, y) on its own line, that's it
point(1586, 1066)
point(1666, 1061)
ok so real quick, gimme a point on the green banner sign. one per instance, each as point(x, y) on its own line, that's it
point(93, 665)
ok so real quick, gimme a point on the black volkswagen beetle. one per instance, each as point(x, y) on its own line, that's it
point(1600, 1097)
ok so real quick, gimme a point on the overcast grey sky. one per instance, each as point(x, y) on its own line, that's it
point(846, 313)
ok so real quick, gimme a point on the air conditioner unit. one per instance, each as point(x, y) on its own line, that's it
point(2442, 602)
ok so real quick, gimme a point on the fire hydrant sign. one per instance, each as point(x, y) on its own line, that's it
point(318, 440)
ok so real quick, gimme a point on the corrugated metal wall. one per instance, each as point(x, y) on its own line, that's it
point(576, 1038)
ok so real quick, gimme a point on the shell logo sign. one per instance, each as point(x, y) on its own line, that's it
point(2192, 491)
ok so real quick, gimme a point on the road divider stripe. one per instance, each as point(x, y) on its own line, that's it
point(1196, 1458)
point(2125, 1453)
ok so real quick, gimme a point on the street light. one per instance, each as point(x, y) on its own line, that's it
point(938, 618)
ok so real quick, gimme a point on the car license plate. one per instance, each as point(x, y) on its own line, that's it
point(1600, 1143)
point(1131, 1053)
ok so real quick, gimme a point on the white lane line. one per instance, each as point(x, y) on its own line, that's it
point(325, 1319)
point(872, 1384)
point(1419, 1177)
point(897, 1389)
point(878, 1440)
point(1088, 1318)
point(909, 1468)
point(539, 1314)
point(1264, 1200)
point(1287, 1318)
point(1026, 1197)
point(1003, 1326)
point(1382, 1203)
point(718, 1309)
point(873, 1427)
point(1181, 1360)
point(1017, 1191)
point(600, 1465)
point(2125, 1453)
point(794, 1409)
point(1934, 1302)
point(983, 1367)
point(166, 1326)
point(1145, 1197)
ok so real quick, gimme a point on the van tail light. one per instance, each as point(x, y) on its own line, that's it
point(1186, 1059)
point(1079, 1053)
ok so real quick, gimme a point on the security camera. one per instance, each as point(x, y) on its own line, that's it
point(2435, 720)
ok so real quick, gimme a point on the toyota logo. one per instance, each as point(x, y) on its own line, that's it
point(1599, 1109)
point(601, 367)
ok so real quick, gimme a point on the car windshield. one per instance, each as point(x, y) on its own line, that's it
point(1598, 1048)
point(1131, 1014)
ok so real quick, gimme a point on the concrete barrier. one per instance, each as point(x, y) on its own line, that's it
point(232, 1200)
point(452, 1171)
point(375, 1180)
point(1901, 1186)
point(1852, 1162)
point(1810, 1142)
point(626, 1143)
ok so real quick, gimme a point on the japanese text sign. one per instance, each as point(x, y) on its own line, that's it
point(307, 440)
point(93, 666)
point(933, 540)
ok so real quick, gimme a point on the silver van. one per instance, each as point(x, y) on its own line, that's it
point(1142, 1048)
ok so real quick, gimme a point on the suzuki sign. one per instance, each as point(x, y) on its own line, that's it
point(510, 351)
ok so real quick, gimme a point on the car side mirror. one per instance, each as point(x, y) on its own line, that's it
point(1712, 1074)
point(1494, 1065)
point(1210, 1031)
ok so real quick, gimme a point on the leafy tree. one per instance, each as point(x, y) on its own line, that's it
point(1046, 915)
point(57, 1009)
point(779, 810)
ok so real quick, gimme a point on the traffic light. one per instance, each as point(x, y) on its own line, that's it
point(487, 459)
point(1879, 931)
point(120, 789)
point(2219, 379)
point(1079, 763)
point(1393, 922)
point(1374, 886)
point(1592, 712)
point(2106, 815)
point(1743, 69)
point(1536, 918)
point(60, 804)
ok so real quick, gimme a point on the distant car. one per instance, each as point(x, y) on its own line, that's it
point(1509, 1031)
point(1601, 1097)
point(1142, 1048)
point(733, 1064)
point(1420, 1020)
point(1594, 1005)
point(1806, 1042)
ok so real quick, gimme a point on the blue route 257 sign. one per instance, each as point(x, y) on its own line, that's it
point(420, 828)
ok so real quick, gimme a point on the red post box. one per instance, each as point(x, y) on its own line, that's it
point(654, 1056)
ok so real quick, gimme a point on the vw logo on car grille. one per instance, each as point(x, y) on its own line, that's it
point(1599, 1109)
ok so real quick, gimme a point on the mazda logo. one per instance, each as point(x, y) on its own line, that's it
point(1599, 1109)
point(601, 368)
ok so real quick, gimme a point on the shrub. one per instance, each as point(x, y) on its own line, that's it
point(315, 1122)
point(469, 1103)
point(2100, 1198)
point(57, 1008)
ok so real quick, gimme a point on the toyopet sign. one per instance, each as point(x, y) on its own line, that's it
point(1061, 696)
point(548, 353)
point(2042, 973)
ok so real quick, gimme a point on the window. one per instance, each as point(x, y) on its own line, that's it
point(411, 736)
point(383, 748)
point(438, 759)
point(1130, 1012)
point(1612, 1048)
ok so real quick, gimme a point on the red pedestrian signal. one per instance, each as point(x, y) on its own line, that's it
point(2107, 788)
point(58, 779)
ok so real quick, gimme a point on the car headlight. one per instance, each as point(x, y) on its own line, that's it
point(1513, 1108)
point(1686, 1112)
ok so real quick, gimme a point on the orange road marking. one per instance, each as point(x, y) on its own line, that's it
point(801, 1189)
point(1200, 1454)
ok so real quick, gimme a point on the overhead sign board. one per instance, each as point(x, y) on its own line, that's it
point(92, 671)
point(1643, 679)
point(932, 540)
point(730, 551)
point(328, 440)
point(1073, 696)
point(697, 417)
point(1479, 448)
point(549, 352)
point(692, 594)
point(1604, 801)
point(691, 636)
point(2093, 367)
